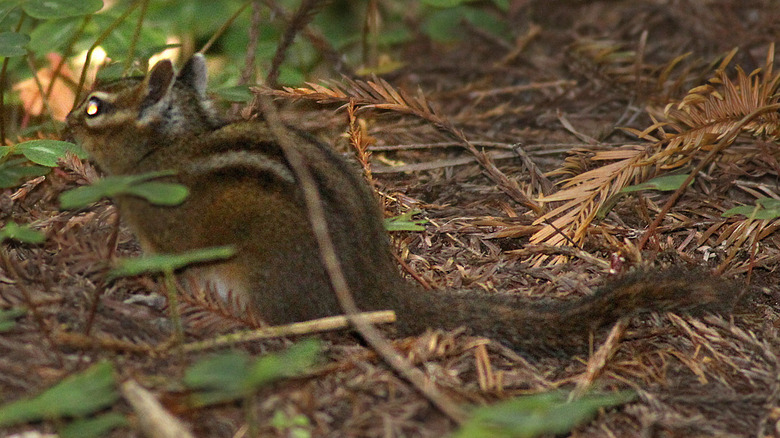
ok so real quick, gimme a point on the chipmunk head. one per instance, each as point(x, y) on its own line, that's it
point(121, 121)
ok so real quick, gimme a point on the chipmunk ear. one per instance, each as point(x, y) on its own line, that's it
point(194, 74)
point(158, 83)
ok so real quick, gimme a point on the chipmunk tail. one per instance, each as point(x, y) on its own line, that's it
point(555, 325)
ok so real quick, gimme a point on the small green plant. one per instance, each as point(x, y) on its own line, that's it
point(142, 185)
point(76, 397)
point(534, 415)
point(162, 263)
point(54, 9)
point(444, 19)
point(297, 426)
point(13, 44)
point(32, 158)
point(158, 193)
point(44, 152)
point(235, 375)
point(94, 427)
point(404, 222)
point(765, 209)
point(665, 183)
point(167, 264)
point(20, 233)
point(8, 318)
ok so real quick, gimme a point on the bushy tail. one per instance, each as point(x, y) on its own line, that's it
point(534, 326)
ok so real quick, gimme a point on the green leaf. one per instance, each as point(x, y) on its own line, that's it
point(219, 378)
point(405, 222)
point(7, 6)
point(444, 3)
point(297, 426)
point(47, 152)
point(53, 35)
point(765, 209)
point(94, 427)
point(13, 171)
point(239, 93)
point(118, 41)
point(50, 9)
point(111, 71)
point(292, 362)
point(530, 416)
point(446, 24)
point(233, 375)
point(13, 44)
point(83, 196)
point(768, 202)
point(21, 233)
point(502, 4)
point(168, 262)
point(78, 395)
point(662, 183)
point(8, 317)
point(158, 193)
point(291, 76)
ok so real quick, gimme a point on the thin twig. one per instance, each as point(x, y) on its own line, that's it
point(320, 325)
point(319, 42)
point(97, 42)
point(438, 164)
point(34, 70)
point(303, 16)
point(65, 54)
point(514, 89)
point(134, 40)
point(153, 419)
point(251, 48)
point(440, 144)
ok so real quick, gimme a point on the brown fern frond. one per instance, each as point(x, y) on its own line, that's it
point(710, 115)
point(624, 68)
point(206, 311)
point(103, 342)
point(376, 93)
point(605, 59)
point(584, 194)
point(743, 235)
point(711, 111)
point(360, 139)
point(379, 94)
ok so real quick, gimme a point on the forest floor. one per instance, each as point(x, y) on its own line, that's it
point(573, 78)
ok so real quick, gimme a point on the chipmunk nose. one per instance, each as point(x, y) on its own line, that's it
point(67, 135)
point(69, 118)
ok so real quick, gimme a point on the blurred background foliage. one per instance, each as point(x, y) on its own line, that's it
point(52, 37)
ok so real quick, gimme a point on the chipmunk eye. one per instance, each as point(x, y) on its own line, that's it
point(94, 106)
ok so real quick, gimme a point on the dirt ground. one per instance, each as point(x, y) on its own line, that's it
point(575, 75)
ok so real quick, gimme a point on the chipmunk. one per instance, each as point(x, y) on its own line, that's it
point(243, 193)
